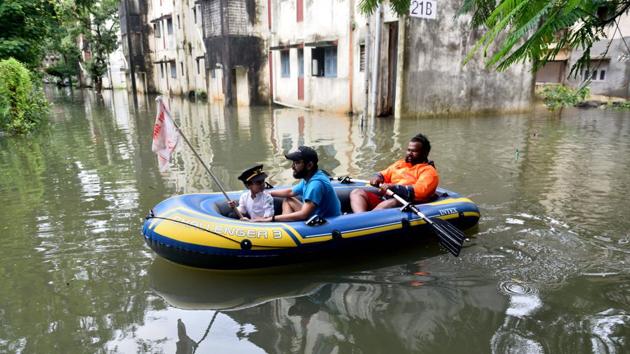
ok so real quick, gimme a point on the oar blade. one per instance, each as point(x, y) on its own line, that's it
point(448, 235)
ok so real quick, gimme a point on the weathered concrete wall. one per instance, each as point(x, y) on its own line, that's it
point(324, 20)
point(140, 41)
point(616, 66)
point(182, 49)
point(234, 32)
point(435, 80)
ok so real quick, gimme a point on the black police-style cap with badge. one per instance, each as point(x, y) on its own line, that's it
point(303, 153)
point(254, 174)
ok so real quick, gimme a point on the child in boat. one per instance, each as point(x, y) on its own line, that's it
point(255, 203)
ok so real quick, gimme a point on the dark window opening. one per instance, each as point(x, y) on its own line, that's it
point(162, 69)
point(602, 74)
point(156, 30)
point(362, 57)
point(300, 62)
point(173, 70)
point(324, 61)
point(285, 63)
point(169, 26)
point(195, 13)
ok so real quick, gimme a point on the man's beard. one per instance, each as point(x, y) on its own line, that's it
point(411, 160)
point(299, 174)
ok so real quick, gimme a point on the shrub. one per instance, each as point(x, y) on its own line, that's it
point(22, 104)
point(561, 96)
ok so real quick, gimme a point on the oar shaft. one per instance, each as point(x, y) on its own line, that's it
point(214, 178)
point(406, 204)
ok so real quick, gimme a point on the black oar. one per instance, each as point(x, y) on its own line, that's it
point(448, 235)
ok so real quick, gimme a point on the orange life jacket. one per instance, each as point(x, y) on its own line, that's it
point(423, 177)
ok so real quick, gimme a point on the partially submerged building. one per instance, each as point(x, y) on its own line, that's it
point(135, 32)
point(327, 55)
point(234, 33)
point(608, 72)
point(177, 47)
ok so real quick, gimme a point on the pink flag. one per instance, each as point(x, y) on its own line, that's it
point(165, 135)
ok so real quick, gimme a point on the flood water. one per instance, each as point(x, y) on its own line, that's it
point(546, 271)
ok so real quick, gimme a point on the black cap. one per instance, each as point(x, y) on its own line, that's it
point(303, 153)
point(253, 174)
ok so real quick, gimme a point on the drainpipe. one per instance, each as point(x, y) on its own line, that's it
point(366, 70)
point(351, 56)
point(132, 73)
point(400, 69)
point(377, 58)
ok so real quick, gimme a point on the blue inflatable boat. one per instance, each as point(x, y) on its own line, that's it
point(196, 230)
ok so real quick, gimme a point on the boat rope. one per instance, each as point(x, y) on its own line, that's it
point(245, 244)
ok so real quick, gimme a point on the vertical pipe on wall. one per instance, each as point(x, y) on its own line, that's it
point(351, 57)
point(402, 29)
point(270, 58)
point(377, 59)
point(366, 69)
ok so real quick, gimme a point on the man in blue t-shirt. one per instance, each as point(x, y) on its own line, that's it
point(318, 195)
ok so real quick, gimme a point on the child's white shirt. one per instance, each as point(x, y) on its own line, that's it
point(260, 206)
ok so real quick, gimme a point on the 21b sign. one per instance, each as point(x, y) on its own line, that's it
point(423, 9)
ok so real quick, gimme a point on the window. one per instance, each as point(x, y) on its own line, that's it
point(285, 62)
point(173, 70)
point(169, 26)
point(300, 62)
point(156, 30)
point(195, 13)
point(198, 70)
point(362, 57)
point(596, 71)
point(178, 23)
point(181, 67)
point(324, 61)
point(162, 69)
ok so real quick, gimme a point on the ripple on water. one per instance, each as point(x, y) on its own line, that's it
point(514, 336)
point(607, 331)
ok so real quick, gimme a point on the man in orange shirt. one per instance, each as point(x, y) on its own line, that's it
point(414, 178)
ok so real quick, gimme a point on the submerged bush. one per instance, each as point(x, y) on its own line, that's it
point(22, 103)
point(562, 96)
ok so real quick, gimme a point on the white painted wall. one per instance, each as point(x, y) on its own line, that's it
point(323, 20)
point(182, 47)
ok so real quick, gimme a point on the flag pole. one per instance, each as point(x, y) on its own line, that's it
point(159, 99)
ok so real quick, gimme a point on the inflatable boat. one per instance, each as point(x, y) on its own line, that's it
point(197, 230)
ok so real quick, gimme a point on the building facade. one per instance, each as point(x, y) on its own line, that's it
point(608, 73)
point(327, 55)
point(178, 52)
point(135, 33)
point(234, 34)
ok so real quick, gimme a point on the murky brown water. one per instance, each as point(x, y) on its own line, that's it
point(546, 271)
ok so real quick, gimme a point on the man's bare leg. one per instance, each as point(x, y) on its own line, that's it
point(290, 205)
point(386, 204)
point(358, 201)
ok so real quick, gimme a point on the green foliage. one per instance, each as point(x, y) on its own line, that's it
point(398, 6)
point(62, 70)
point(99, 24)
point(24, 27)
point(619, 106)
point(559, 96)
point(22, 104)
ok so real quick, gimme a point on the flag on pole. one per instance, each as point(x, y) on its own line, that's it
point(165, 135)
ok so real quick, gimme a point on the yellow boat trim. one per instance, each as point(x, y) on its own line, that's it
point(260, 234)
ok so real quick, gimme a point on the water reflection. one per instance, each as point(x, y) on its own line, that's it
point(552, 192)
